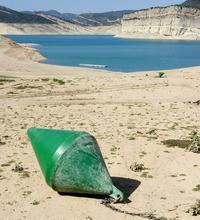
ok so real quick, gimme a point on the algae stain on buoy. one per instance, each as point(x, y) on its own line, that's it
point(71, 162)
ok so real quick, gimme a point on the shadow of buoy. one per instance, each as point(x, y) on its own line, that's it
point(126, 185)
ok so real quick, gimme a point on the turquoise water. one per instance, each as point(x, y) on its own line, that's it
point(124, 55)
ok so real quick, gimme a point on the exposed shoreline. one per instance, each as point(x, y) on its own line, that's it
point(20, 51)
point(155, 37)
point(114, 34)
point(129, 114)
point(32, 53)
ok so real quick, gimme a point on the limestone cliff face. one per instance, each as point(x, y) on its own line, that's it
point(172, 22)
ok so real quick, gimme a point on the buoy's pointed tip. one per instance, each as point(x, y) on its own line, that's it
point(31, 131)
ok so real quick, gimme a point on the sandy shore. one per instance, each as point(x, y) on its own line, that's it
point(129, 114)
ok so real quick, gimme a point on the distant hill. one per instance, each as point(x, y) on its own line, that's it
point(101, 19)
point(14, 22)
point(88, 19)
point(192, 4)
point(11, 16)
point(54, 13)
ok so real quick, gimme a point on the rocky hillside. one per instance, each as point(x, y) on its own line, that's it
point(14, 22)
point(101, 19)
point(174, 22)
point(88, 19)
point(65, 16)
point(53, 22)
point(192, 4)
point(10, 16)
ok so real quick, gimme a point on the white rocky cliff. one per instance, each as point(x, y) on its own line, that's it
point(174, 22)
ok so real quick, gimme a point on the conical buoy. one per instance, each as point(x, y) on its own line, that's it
point(71, 162)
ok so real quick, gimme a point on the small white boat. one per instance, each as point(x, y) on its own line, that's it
point(93, 65)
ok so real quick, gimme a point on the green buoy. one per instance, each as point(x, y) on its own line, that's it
point(71, 162)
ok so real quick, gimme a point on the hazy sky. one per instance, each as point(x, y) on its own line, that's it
point(77, 6)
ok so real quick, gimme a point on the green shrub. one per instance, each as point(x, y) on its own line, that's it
point(59, 81)
point(161, 74)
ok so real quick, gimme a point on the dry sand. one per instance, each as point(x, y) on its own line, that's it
point(129, 114)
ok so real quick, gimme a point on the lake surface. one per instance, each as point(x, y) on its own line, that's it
point(126, 55)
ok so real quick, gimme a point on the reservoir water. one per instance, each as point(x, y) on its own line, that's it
point(125, 55)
